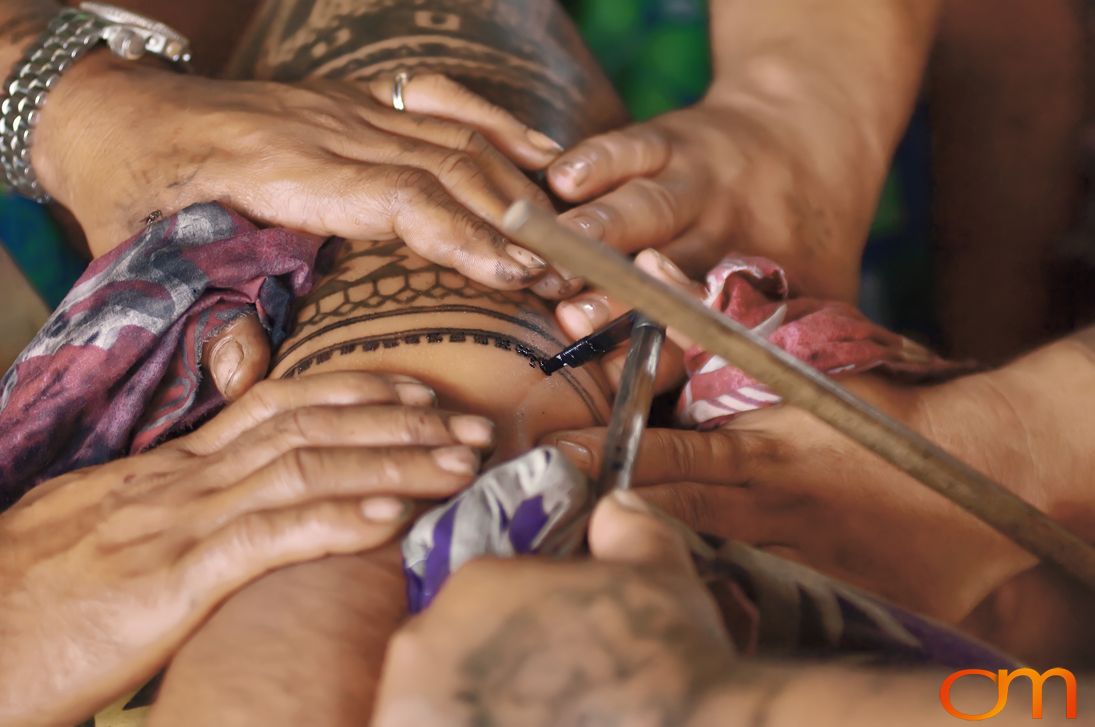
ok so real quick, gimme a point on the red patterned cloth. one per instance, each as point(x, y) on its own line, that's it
point(834, 338)
point(116, 367)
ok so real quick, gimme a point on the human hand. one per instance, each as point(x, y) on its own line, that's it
point(632, 637)
point(783, 481)
point(327, 157)
point(584, 313)
point(105, 571)
point(724, 175)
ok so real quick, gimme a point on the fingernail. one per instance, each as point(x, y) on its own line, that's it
point(543, 142)
point(458, 460)
point(582, 317)
point(415, 394)
point(594, 310)
point(226, 362)
point(578, 454)
point(586, 226)
point(574, 171)
point(670, 268)
point(473, 430)
point(525, 258)
point(385, 509)
point(630, 501)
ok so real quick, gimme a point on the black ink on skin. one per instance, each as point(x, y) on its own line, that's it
point(370, 344)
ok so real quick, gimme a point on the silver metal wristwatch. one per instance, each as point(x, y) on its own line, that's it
point(70, 35)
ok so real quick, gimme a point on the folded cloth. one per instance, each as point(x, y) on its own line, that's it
point(833, 337)
point(537, 503)
point(540, 504)
point(116, 367)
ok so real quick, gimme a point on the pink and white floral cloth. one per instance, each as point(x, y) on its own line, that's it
point(832, 337)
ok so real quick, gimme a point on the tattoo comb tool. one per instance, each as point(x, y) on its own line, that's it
point(593, 346)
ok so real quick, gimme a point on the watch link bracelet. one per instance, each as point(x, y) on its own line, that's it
point(69, 36)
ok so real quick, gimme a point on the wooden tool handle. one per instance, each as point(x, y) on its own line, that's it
point(805, 388)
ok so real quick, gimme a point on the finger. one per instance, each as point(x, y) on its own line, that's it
point(603, 162)
point(665, 270)
point(643, 212)
point(439, 96)
point(727, 512)
point(443, 232)
point(449, 137)
point(557, 285)
point(268, 399)
point(237, 357)
point(625, 530)
point(583, 314)
point(383, 202)
point(471, 170)
point(305, 475)
point(259, 542)
point(346, 426)
point(719, 457)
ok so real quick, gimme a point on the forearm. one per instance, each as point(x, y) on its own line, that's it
point(303, 645)
point(834, 82)
point(1049, 392)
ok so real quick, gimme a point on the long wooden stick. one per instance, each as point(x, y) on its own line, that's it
point(806, 388)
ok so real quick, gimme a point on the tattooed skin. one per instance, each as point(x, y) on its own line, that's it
point(622, 651)
point(524, 55)
point(382, 296)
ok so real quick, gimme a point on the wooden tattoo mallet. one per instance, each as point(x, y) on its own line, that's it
point(805, 388)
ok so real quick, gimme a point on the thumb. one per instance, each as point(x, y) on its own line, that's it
point(238, 357)
point(626, 530)
point(665, 270)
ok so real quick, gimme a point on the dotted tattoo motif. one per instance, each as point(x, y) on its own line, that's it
point(427, 336)
point(414, 337)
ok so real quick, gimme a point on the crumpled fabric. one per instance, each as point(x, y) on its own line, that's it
point(834, 338)
point(540, 504)
point(537, 503)
point(116, 368)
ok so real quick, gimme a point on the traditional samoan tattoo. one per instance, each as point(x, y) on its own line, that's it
point(523, 55)
point(617, 652)
point(385, 280)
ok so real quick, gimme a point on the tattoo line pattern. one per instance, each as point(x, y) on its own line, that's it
point(524, 55)
point(349, 321)
point(417, 336)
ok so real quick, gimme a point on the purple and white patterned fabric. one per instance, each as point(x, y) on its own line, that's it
point(537, 503)
point(116, 367)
